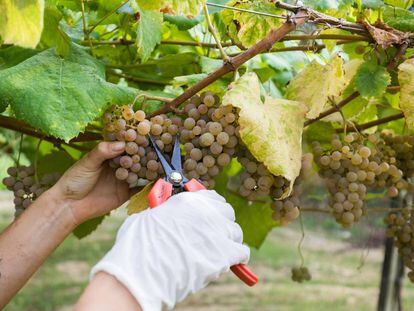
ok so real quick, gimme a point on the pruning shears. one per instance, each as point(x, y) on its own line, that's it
point(175, 182)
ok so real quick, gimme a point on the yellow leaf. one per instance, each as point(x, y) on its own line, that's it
point(316, 83)
point(21, 22)
point(139, 201)
point(271, 130)
point(406, 79)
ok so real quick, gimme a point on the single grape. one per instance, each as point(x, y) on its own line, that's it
point(121, 173)
point(139, 115)
point(196, 154)
point(144, 128)
point(126, 161)
point(206, 139)
point(131, 148)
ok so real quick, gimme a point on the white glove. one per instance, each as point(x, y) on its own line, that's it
point(164, 254)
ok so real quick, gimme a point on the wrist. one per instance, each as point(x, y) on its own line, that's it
point(55, 206)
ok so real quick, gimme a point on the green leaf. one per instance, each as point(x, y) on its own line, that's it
point(21, 22)
point(319, 131)
point(247, 28)
point(371, 80)
point(13, 55)
point(88, 227)
point(189, 8)
point(272, 130)
point(398, 18)
point(406, 79)
point(59, 96)
point(53, 35)
point(405, 4)
point(57, 161)
point(315, 84)
point(182, 22)
point(139, 201)
point(148, 33)
point(254, 218)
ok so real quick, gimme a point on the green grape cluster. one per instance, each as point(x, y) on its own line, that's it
point(401, 228)
point(401, 147)
point(300, 274)
point(351, 166)
point(122, 123)
point(255, 179)
point(25, 187)
point(208, 133)
point(287, 210)
point(209, 136)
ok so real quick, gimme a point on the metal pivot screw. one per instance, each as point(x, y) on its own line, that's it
point(176, 178)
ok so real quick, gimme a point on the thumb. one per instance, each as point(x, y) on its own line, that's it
point(102, 152)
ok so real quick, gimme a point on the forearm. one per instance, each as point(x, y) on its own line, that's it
point(106, 293)
point(28, 241)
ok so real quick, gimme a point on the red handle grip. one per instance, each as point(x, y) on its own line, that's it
point(159, 193)
point(242, 271)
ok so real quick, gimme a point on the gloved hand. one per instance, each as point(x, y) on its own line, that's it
point(164, 254)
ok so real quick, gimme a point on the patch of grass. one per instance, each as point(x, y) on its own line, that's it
point(336, 283)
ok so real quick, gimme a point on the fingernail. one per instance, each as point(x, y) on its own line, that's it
point(118, 146)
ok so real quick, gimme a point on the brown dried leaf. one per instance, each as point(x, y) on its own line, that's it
point(386, 36)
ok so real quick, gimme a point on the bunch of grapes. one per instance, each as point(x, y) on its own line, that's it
point(26, 188)
point(207, 132)
point(352, 165)
point(255, 180)
point(300, 274)
point(209, 136)
point(287, 210)
point(401, 227)
point(140, 160)
point(401, 147)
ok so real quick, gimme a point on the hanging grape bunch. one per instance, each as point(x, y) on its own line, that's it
point(287, 210)
point(352, 165)
point(300, 274)
point(401, 228)
point(140, 159)
point(402, 148)
point(26, 189)
point(255, 180)
point(207, 132)
point(209, 136)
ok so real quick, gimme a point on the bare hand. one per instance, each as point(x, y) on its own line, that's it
point(89, 187)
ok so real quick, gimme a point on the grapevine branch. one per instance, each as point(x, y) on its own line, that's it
point(323, 19)
point(364, 126)
point(334, 109)
point(234, 62)
point(19, 126)
point(350, 38)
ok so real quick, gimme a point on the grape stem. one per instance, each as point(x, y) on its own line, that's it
point(234, 62)
point(214, 33)
point(302, 229)
point(107, 15)
point(85, 27)
point(398, 55)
